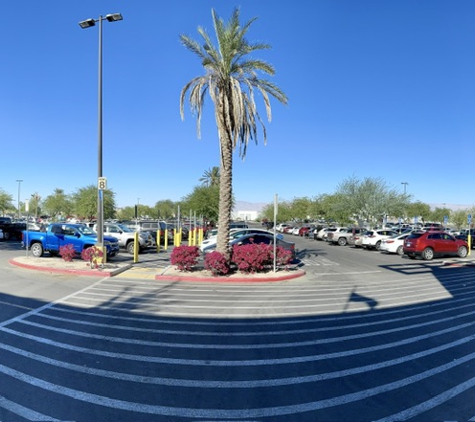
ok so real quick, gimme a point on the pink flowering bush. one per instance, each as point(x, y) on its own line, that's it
point(67, 252)
point(254, 257)
point(216, 263)
point(185, 257)
point(251, 258)
point(93, 255)
point(283, 256)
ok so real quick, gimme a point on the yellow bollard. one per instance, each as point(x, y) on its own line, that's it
point(165, 240)
point(200, 235)
point(136, 247)
point(158, 241)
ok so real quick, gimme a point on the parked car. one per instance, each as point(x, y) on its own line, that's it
point(1, 234)
point(356, 240)
point(257, 238)
point(342, 237)
point(464, 236)
point(304, 230)
point(430, 244)
point(238, 225)
point(394, 244)
point(151, 226)
point(323, 233)
point(372, 238)
point(126, 236)
point(61, 234)
point(12, 229)
point(295, 230)
point(280, 227)
point(235, 234)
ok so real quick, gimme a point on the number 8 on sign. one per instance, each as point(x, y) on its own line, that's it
point(102, 183)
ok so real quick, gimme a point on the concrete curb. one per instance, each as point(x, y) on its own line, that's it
point(85, 272)
point(162, 276)
point(235, 278)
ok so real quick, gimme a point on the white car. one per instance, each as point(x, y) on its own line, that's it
point(295, 231)
point(323, 233)
point(394, 244)
point(280, 227)
point(372, 238)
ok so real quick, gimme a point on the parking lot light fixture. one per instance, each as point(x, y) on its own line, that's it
point(405, 184)
point(88, 23)
point(114, 17)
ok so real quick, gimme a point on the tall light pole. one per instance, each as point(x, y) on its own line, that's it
point(405, 184)
point(19, 184)
point(100, 180)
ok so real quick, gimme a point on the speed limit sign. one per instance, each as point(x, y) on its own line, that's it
point(102, 183)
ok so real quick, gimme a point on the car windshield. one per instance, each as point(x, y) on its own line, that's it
point(124, 228)
point(86, 231)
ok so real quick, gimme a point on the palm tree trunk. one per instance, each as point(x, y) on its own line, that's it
point(225, 184)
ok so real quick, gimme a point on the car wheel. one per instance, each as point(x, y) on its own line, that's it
point(400, 250)
point(37, 250)
point(428, 254)
point(377, 246)
point(462, 252)
point(342, 241)
point(130, 247)
point(6, 235)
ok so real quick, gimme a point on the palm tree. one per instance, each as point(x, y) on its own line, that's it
point(230, 79)
point(210, 177)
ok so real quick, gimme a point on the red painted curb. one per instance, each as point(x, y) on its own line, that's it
point(94, 273)
point(224, 279)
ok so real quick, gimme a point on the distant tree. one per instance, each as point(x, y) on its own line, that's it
point(230, 79)
point(58, 203)
point(459, 218)
point(6, 201)
point(85, 203)
point(35, 204)
point(370, 199)
point(126, 213)
point(165, 208)
point(210, 177)
point(284, 212)
point(439, 214)
point(418, 209)
point(336, 209)
point(204, 200)
point(301, 208)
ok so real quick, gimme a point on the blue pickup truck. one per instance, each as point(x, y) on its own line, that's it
point(60, 234)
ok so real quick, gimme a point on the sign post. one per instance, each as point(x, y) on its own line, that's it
point(469, 236)
point(276, 206)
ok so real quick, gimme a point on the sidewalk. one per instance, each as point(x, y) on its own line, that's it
point(129, 270)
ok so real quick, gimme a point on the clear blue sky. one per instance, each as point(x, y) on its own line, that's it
point(377, 88)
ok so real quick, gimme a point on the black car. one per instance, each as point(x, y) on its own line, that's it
point(256, 238)
point(464, 236)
